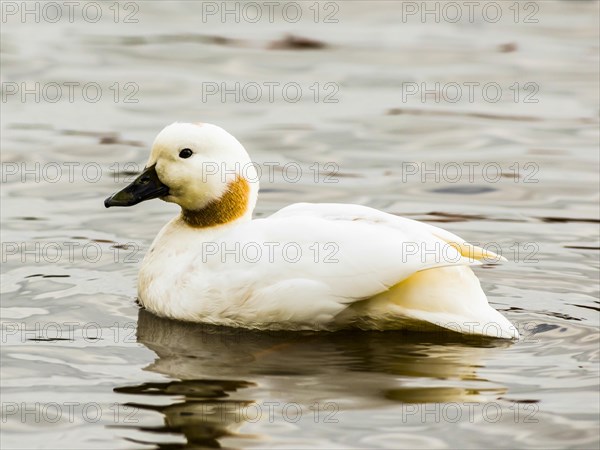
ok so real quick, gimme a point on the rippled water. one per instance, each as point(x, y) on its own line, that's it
point(83, 367)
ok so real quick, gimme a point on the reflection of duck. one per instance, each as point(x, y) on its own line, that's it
point(306, 267)
point(220, 371)
point(206, 414)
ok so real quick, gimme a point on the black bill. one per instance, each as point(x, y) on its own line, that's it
point(144, 187)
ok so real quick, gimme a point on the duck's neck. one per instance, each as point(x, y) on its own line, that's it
point(236, 204)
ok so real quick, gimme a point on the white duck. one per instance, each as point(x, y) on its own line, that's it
point(306, 267)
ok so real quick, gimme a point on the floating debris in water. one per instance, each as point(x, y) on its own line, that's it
point(291, 42)
point(567, 219)
point(509, 47)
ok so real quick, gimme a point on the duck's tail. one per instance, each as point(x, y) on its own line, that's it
point(448, 297)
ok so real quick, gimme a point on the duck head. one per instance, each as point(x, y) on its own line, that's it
point(203, 169)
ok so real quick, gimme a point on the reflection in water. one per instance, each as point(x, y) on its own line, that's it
point(214, 366)
point(203, 417)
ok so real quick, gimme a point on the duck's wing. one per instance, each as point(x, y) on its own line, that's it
point(346, 251)
point(340, 211)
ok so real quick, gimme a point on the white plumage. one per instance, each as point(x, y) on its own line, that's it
point(308, 266)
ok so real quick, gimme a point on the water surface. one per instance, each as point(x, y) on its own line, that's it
point(84, 367)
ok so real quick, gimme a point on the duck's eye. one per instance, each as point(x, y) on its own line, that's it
point(185, 153)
